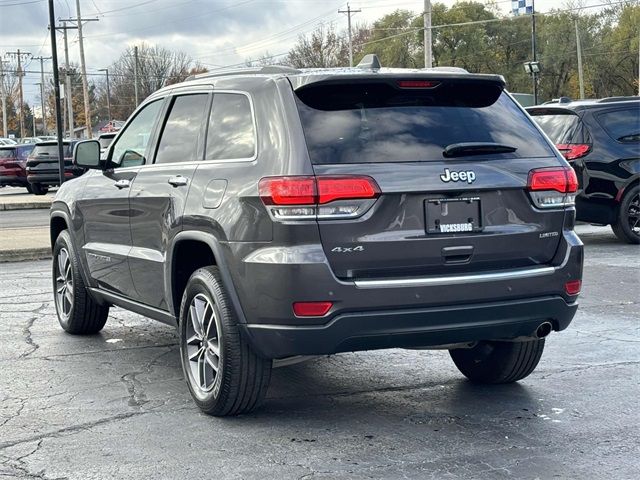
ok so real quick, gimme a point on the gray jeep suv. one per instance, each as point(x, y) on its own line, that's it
point(270, 213)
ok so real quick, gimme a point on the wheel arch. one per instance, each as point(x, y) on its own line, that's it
point(189, 251)
point(58, 222)
point(631, 182)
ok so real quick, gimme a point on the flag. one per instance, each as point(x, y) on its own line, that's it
point(522, 7)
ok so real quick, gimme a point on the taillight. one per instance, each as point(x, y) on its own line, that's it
point(572, 151)
point(553, 187)
point(300, 198)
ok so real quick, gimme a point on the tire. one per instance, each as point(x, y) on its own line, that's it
point(77, 312)
point(28, 187)
point(38, 189)
point(498, 362)
point(627, 228)
point(240, 383)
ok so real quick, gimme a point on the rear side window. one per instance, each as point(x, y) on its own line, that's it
point(622, 125)
point(51, 150)
point(23, 153)
point(181, 134)
point(376, 122)
point(7, 153)
point(231, 134)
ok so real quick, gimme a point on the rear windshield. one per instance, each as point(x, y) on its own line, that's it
point(562, 127)
point(376, 122)
point(7, 153)
point(51, 150)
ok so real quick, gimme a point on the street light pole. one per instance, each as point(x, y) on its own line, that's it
point(428, 54)
point(106, 70)
point(4, 99)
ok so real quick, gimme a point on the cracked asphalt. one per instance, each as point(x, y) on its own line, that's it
point(115, 405)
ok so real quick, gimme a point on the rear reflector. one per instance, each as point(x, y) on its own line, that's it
point(417, 84)
point(311, 309)
point(572, 151)
point(573, 287)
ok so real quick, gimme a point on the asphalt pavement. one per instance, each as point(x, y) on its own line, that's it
point(37, 217)
point(115, 405)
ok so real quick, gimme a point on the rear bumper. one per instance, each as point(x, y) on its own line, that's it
point(418, 327)
point(51, 178)
point(13, 180)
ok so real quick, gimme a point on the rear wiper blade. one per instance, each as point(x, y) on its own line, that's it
point(476, 148)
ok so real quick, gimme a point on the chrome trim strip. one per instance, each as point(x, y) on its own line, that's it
point(455, 280)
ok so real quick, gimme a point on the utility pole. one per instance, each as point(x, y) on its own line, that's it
point(428, 52)
point(580, 72)
point(348, 11)
point(44, 114)
point(44, 121)
point(135, 73)
point(4, 99)
point(106, 70)
point(67, 78)
point(56, 90)
point(18, 54)
point(534, 74)
point(83, 69)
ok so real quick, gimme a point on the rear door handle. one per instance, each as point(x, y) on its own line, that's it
point(178, 181)
point(123, 183)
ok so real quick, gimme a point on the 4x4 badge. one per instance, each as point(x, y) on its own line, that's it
point(463, 176)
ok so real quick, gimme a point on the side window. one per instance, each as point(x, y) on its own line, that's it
point(622, 125)
point(231, 133)
point(131, 147)
point(181, 133)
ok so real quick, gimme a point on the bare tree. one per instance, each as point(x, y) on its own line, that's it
point(322, 48)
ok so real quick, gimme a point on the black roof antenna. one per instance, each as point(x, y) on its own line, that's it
point(370, 62)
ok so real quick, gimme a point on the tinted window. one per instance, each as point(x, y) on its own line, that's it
point(622, 125)
point(562, 127)
point(132, 143)
point(23, 152)
point(371, 123)
point(181, 134)
point(231, 133)
point(51, 150)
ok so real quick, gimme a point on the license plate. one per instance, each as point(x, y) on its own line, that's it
point(453, 215)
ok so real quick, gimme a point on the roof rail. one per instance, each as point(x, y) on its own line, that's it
point(617, 99)
point(370, 62)
point(265, 70)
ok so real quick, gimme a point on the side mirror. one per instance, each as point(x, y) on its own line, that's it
point(87, 154)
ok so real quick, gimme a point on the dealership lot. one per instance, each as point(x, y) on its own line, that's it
point(116, 404)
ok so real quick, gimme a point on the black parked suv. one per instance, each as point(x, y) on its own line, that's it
point(43, 166)
point(601, 141)
point(273, 212)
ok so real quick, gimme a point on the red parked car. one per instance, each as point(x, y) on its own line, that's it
point(13, 161)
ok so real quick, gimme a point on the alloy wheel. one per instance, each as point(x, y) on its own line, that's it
point(633, 215)
point(64, 283)
point(203, 342)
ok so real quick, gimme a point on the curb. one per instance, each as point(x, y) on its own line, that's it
point(24, 254)
point(24, 205)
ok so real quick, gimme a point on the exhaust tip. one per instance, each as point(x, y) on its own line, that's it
point(544, 329)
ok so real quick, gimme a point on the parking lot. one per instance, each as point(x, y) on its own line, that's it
point(116, 404)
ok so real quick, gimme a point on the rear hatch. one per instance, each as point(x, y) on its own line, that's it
point(8, 161)
point(451, 158)
point(44, 157)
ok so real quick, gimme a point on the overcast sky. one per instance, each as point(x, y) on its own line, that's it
point(214, 32)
